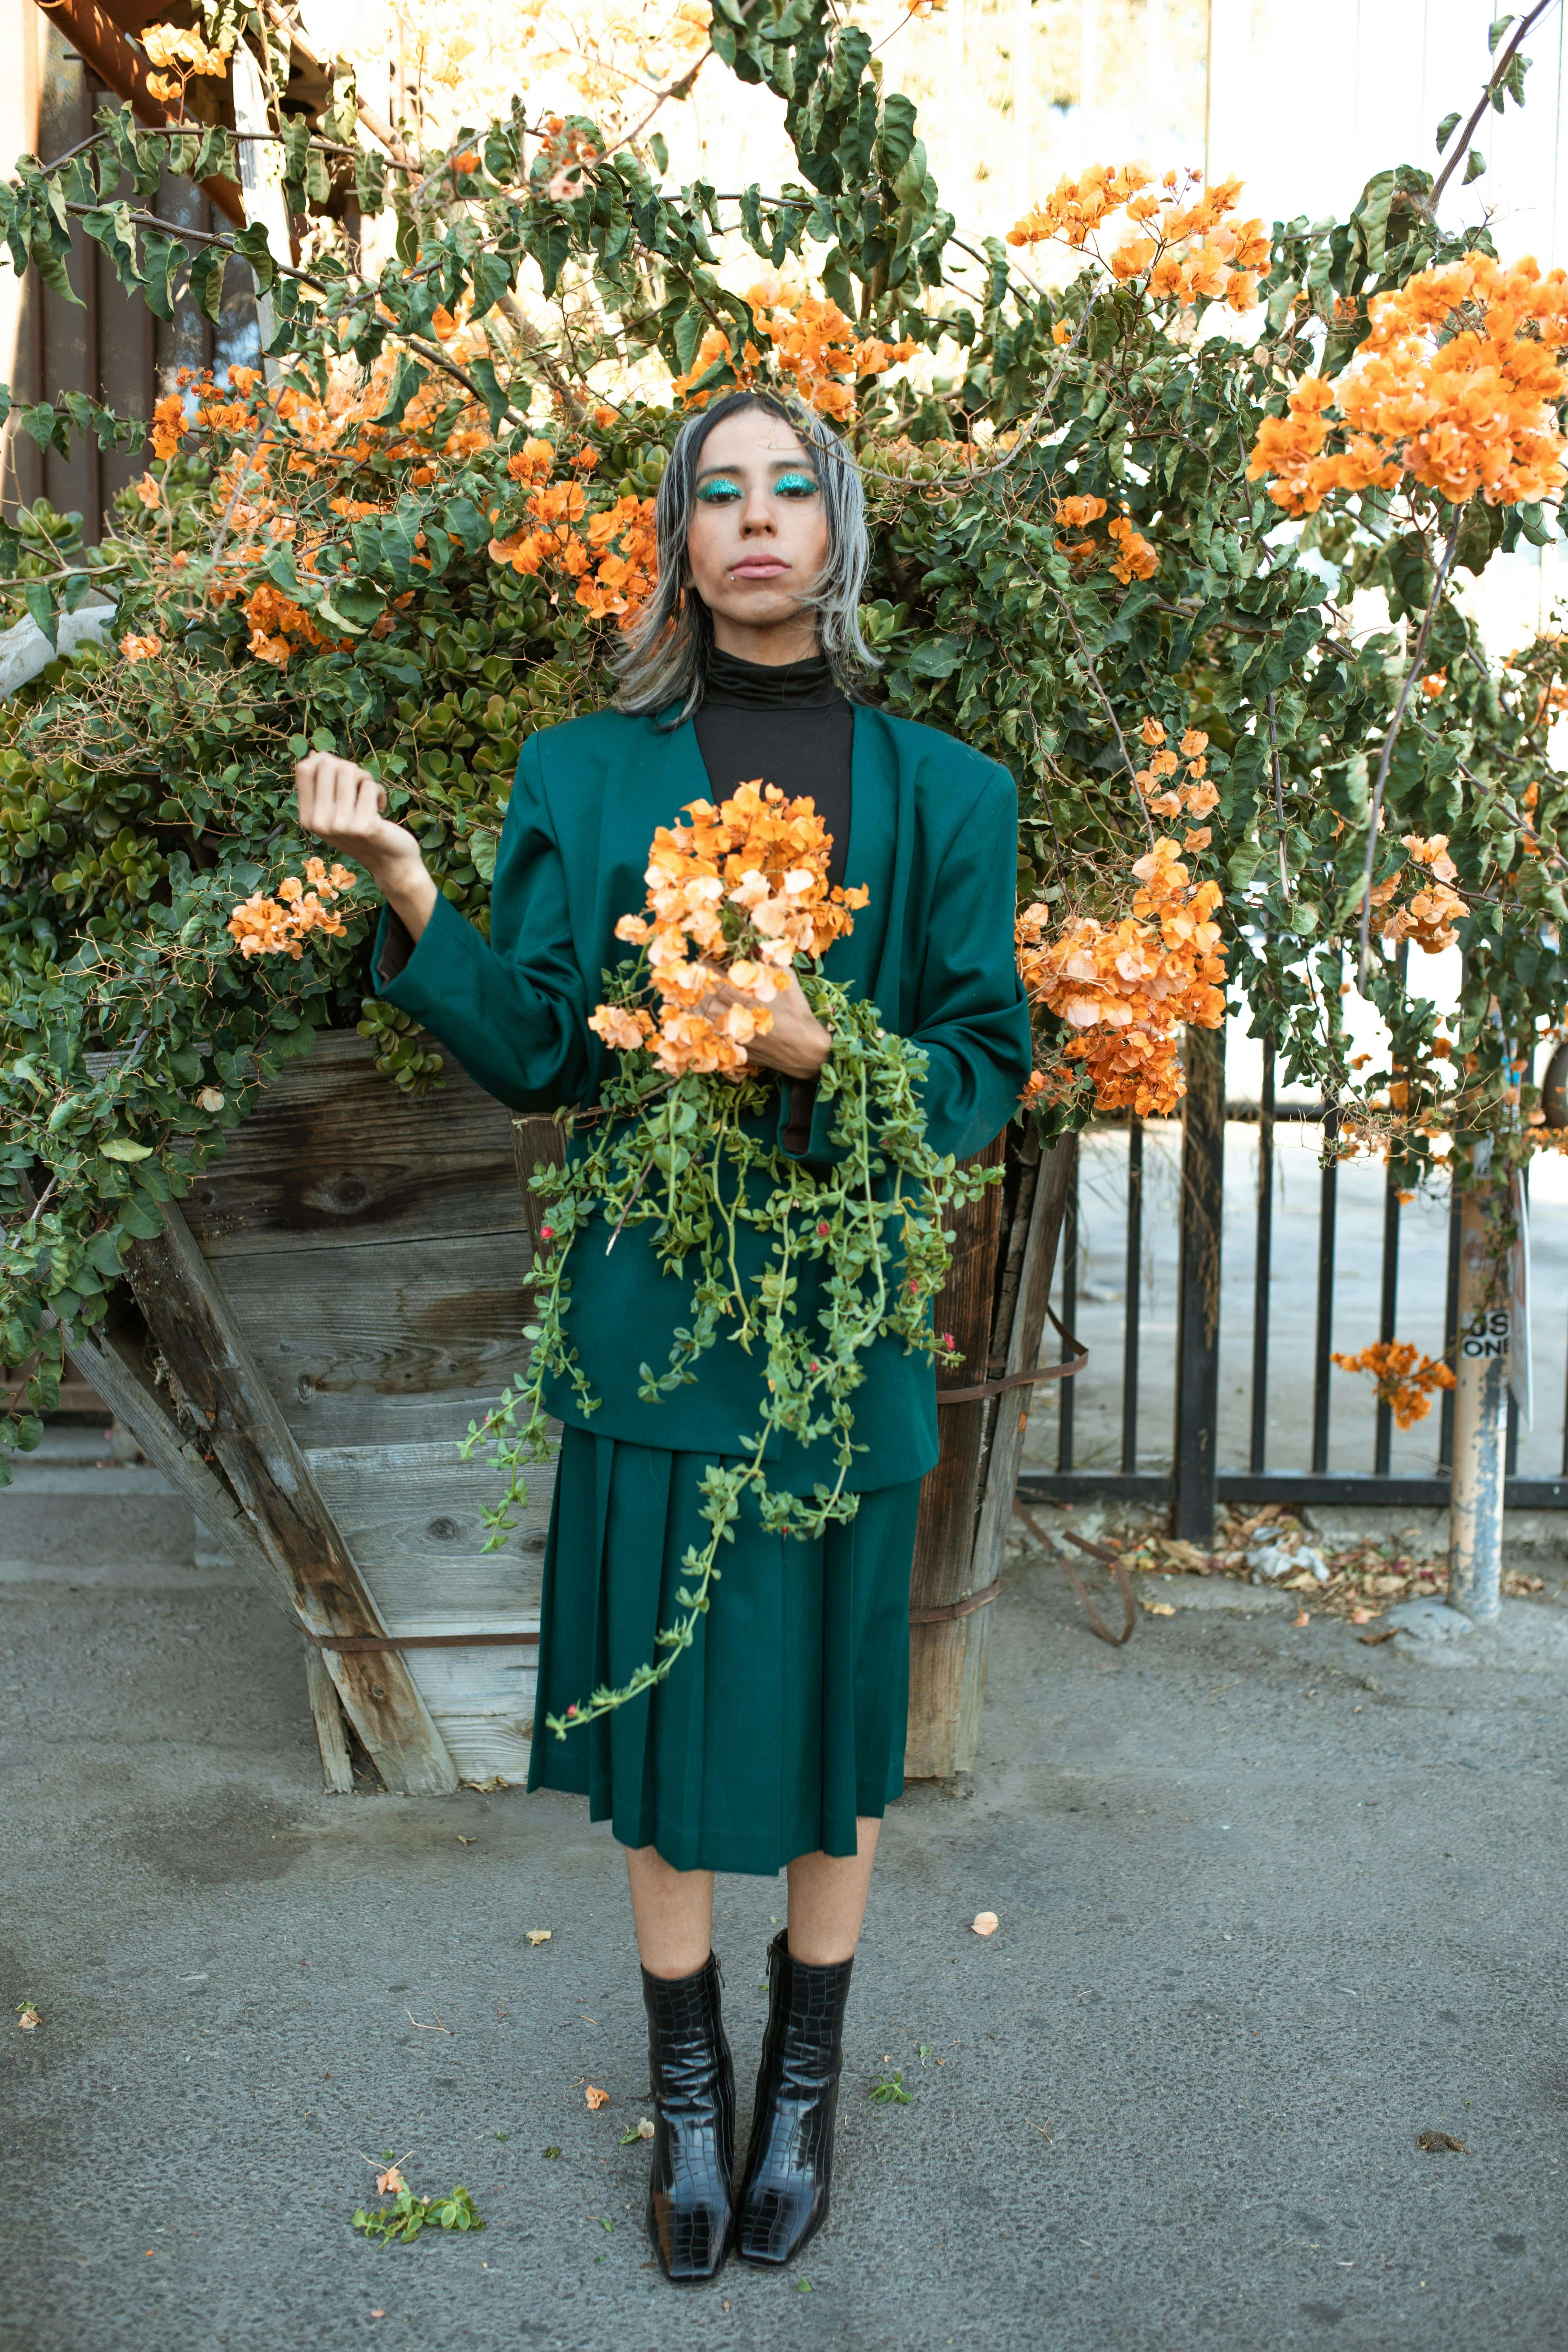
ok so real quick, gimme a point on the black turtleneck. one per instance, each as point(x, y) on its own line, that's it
point(790, 725)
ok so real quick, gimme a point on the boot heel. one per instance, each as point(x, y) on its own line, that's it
point(789, 2168)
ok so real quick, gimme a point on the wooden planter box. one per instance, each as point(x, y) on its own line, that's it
point(337, 1300)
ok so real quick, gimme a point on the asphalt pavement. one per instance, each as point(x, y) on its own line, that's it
point(1273, 1904)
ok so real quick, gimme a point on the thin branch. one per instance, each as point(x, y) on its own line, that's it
point(681, 89)
point(1392, 738)
point(1278, 803)
point(1494, 83)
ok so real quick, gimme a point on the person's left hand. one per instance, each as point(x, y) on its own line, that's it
point(797, 1043)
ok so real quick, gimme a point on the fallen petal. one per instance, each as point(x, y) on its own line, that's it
point(985, 1923)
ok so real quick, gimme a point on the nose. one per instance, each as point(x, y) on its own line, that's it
point(757, 520)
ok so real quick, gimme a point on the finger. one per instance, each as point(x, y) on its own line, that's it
point(370, 800)
point(305, 788)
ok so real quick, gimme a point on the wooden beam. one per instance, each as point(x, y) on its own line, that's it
point(201, 1342)
point(337, 1765)
point(99, 43)
point(966, 1509)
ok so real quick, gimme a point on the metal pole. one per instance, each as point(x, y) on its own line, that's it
point(1480, 1394)
point(1322, 1357)
point(1131, 1288)
point(1197, 1307)
point(1069, 1312)
point(1262, 1266)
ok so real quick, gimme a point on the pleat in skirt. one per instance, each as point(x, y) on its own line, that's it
point(787, 1715)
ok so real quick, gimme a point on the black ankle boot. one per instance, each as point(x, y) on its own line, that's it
point(690, 2214)
point(784, 2198)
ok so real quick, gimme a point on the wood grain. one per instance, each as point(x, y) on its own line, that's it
point(411, 1516)
point(200, 1339)
point(394, 1344)
point(963, 1525)
point(336, 1155)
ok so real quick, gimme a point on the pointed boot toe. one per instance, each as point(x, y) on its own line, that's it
point(690, 2212)
point(789, 2169)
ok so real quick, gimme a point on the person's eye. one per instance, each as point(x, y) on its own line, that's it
point(796, 486)
point(718, 492)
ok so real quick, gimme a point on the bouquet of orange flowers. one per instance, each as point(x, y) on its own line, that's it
point(732, 898)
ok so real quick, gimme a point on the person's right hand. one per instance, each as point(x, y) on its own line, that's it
point(343, 804)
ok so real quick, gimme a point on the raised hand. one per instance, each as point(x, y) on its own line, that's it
point(343, 804)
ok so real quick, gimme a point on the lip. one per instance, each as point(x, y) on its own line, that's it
point(758, 567)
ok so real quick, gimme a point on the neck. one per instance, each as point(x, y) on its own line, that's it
point(772, 645)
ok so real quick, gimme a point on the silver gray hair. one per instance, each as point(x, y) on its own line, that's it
point(660, 658)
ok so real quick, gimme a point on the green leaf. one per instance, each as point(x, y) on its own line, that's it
point(1447, 128)
point(659, 152)
point(207, 281)
point(1475, 165)
point(120, 1146)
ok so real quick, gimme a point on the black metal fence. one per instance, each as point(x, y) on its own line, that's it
point(1194, 1481)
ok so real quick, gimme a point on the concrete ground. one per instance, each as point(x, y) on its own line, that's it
point(1272, 1904)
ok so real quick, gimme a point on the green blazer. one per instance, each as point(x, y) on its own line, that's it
point(934, 832)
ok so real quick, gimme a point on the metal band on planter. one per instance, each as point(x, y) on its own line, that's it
point(1062, 1371)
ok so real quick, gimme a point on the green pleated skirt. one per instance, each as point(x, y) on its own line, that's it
point(787, 1715)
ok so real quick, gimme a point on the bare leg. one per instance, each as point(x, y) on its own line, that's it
point(673, 1911)
point(828, 1900)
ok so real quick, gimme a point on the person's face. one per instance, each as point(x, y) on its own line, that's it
point(758, 536)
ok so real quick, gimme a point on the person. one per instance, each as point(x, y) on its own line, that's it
point(777, 1739)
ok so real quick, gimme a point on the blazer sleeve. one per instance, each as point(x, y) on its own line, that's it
point(513, 1009)
point(971, 1017)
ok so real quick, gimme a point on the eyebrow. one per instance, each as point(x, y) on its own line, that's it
point(775, 466)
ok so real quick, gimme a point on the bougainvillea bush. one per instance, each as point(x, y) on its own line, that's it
point(1128, 460)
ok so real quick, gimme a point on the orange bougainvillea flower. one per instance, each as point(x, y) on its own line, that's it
point(279, 926)
point(733, 899)
point(1124, 989)
point(1404, 1378)
point(1180, 242)
point(1457, 385)
point(141, 650)
point(168, 425)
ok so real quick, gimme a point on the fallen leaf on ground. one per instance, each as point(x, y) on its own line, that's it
point(484, 1787)
point(378, 2315)
point(596, 2097)
point(27, 2016)
point(1436, 2143)
point(463, 1840)
point(1159, 1608)
point(1383, 1633)
point(641, 2129)
point(389, 2182)
point(538, 1935)
point(551, 2153)
point(1363, 1616)
point(985, 1923)
point(1301, 1618)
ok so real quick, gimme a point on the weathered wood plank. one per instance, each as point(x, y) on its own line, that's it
point(1026, 1347)
point(110, 1365)
point(336, 1155)
point(326, 1709)
point(366, 1346)
point(945, 1537)
point(538, 1142)
point(948, 1661)
point(196, 1329)
point(411, 1514)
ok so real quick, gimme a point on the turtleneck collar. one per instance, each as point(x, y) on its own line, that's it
point(729, 682)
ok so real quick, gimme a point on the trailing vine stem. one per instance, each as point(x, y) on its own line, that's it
point(875, 1221)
